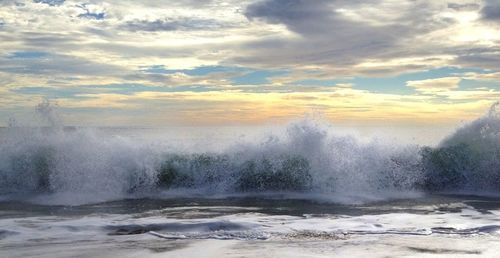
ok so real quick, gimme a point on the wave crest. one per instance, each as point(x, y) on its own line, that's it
point(309, 157)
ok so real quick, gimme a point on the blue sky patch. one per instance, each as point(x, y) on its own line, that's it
point(249, 76)
point(257, 77)
point(50, 2)
point(397, 84)
point(95, 16)
point(198, 71)
point(474, 84)
point(91, 15)
point(316, 82)
point(131, 88)
point(27, 54)
point(50, 92)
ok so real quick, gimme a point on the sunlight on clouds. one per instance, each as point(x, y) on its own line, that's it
point(376, 15)
point(435, 85)
point(469, 30)
point(340, 105)
point(350, 60)
point(472, 95)
point(483, 76)
point(97, 101)
point(424, 61)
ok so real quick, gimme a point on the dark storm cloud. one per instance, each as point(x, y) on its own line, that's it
point(172, 24)
point(491, 11)
point(328, 37)
point(298, 15)
point(484, 60)
point(464, 7)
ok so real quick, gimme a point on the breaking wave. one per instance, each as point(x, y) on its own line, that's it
point(83, 165)
point(469, 159)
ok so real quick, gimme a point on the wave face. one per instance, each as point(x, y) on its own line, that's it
point(306, 158)
point(46, 161)
point(310, 158)
point(467, 160)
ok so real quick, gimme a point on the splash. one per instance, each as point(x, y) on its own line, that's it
point(493, 112)
point(467, 160)
point(309, 159)
point(91, 165)
point(48, 112)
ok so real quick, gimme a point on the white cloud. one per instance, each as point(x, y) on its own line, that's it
point(435, 85)
point(483, 76)
point(337, 38)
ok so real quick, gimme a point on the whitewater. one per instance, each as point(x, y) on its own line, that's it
point(305, 190)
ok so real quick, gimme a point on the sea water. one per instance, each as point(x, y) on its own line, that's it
point(301, 190)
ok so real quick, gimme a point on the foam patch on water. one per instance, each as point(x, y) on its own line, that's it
point(252, 225)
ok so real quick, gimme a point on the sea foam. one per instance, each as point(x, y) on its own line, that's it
point(83, 165)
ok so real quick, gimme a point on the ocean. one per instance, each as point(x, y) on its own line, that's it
point(307, 189)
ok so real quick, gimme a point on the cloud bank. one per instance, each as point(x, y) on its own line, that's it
point(228, 60)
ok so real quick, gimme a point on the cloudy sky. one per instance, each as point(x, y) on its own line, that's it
point(224, 62)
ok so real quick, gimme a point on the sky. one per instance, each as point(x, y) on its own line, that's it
point(245, 62)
